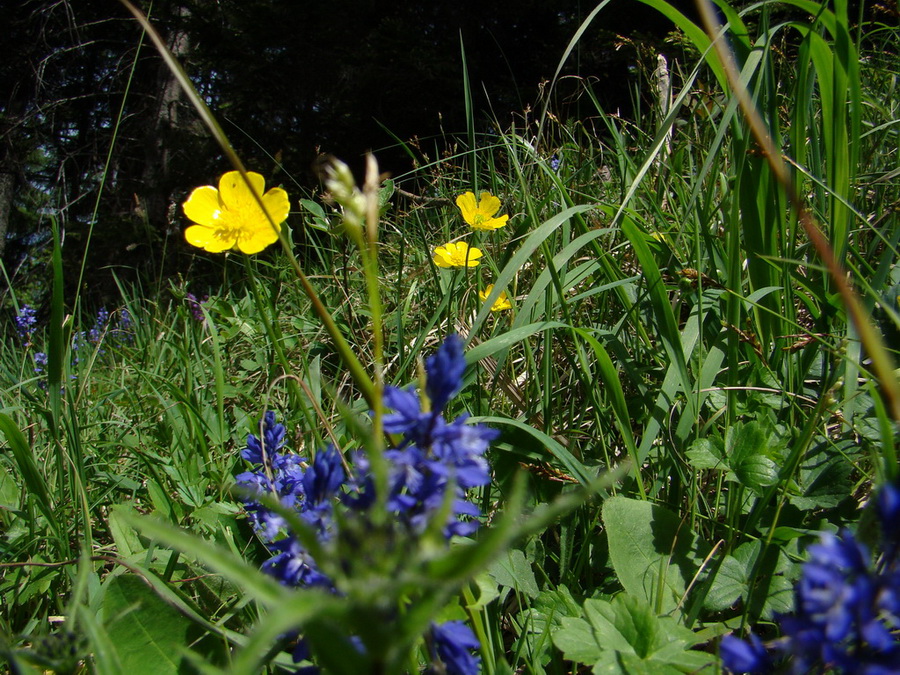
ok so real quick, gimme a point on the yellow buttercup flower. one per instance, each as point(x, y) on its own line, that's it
point(480, 214)
point(230, 217)
point(456, 255)
point(502, 302)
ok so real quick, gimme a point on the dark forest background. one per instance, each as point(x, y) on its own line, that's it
point(88, 107)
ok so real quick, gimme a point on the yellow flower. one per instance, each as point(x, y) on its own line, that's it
point(501, 303)
point(480, 214)
point(456, 255)
point(230, 217)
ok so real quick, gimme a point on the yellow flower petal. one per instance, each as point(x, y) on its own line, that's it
point(488, 204)
point(277, 204)
point(502, 302)
point(467, 204)
point(235, 194)
point(202, 206)
point(457, 254)
point(480, 215)
point(254, 242)
point(214, 240)
point(231, 217)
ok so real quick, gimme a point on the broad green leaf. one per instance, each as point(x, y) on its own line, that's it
point(729, 584)
point(706, 453)
point(126, 539)
point(487, 592)
point(654, 554)
point(149, 634)
point(825, 477)
point(771, 580)
point(747, 448)
point(577, 640)
point(625, 636)
point(513, 570)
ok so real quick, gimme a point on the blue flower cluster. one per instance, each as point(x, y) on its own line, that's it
point(847, 610)
point(432, 455)
point(26, 324)
point(555, 162)
point(195, 305)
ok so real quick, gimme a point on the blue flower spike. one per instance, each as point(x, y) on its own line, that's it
point(431, 457)
point(846, 608)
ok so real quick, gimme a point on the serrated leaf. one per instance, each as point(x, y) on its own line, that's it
point(826, 478)
point(728, 586)
point(625, 636)
point(747, 449)
point(706, 453)
point(772, 579)
point(577, 641)
point(513, 570)
point(626, 624)
point(756, 472)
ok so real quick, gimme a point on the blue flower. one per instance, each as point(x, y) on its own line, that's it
point(739, 656)
point(26, 322)
point(847, 609)
point(834, 589)
point(454, 642)
point(431, 465)
point(444, 370)
point(195, 306)
point(273, 440)
point(96, 333)
point(887, 505)
point(324, 478)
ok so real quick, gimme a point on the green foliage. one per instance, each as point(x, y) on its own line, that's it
point(672, 332)
point(626, 636)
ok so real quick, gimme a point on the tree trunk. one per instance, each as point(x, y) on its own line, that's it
point(163, 131)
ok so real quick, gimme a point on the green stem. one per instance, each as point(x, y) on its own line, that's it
point(357, 372)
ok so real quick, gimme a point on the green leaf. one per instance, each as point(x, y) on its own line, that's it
point(126, 539)
point(747, 448)
point(625, 636)
point(513, 570)
point(654, 554)
point(150, 635)
point(728, 586)
point(34, 479)
point(487, 592)
point(826, 476)
point(577, 640)
point(549, 609)
point(771, 580)
point(707, 453)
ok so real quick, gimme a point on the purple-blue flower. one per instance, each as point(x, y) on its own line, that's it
point(846, 608)
point(95, 334)
point(454, 642)
point(444, 370)
point(26, 322)
point(430, 467)
point(195, 306)
point(739, 656)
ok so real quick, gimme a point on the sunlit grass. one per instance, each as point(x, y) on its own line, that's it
point(668, 320)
